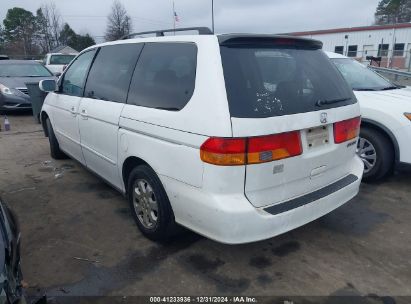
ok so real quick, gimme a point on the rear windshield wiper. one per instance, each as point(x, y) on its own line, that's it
point(323, 102)
point(167, 108)
point(390, 88)
point(364, 89)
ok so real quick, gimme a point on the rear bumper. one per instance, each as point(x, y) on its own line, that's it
point(232, 219)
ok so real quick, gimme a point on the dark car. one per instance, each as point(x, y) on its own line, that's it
point(11, 290)
point(13, 77)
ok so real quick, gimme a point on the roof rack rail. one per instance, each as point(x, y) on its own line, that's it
point(160, 33)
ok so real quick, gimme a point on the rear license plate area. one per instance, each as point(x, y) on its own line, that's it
point(317, 137)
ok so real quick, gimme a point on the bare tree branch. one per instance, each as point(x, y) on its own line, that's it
point(118, 22)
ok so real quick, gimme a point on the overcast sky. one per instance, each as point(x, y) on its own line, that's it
point(258, 16)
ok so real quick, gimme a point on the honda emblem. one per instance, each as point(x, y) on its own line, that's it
point(324, 118)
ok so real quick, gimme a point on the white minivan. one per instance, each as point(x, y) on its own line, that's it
point(237, 137)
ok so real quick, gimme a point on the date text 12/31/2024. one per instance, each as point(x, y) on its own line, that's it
point(203, 299)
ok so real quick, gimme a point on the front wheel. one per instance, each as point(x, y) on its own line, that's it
point(149, 204)
point(377, 154)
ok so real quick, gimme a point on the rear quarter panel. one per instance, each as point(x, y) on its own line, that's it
point(169, 152)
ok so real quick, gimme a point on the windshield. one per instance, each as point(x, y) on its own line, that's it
point(361, 78)
point(61, 59)
point(23, 70)
point(274, 81)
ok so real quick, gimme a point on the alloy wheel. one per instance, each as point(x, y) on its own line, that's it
point(145, 203)
point(366, 151)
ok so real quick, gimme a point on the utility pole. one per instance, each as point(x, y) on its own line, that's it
point(174, 19)
point(212, 15)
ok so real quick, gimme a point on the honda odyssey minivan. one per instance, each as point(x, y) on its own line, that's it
point(237, 137)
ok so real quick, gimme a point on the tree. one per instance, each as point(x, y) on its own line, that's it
point(1, 39)
point(77, 42)
point(49, 26)
point(82, 42)
point(20, 26)
point(43, 31)
point(393, 11)
point(67, 35)
point(119, 23)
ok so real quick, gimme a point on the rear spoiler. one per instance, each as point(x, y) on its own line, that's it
point(269, 40)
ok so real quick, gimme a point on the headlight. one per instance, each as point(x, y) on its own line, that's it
point(5, 90)
point(408, 115)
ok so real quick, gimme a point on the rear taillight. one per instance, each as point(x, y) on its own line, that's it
point(223, 151)
point(273, 147)
point(346, 130)
point(253, 150)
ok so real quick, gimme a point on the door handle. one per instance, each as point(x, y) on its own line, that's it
point(83, 114)
point(73, 111)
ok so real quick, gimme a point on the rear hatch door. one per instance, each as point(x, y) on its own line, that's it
point(283, 85)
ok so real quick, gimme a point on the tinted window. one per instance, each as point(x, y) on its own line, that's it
point(164, 76)
point(75, 76)
point(110, 75)
point(23, 70)
point(268, 81)
point(61, 59)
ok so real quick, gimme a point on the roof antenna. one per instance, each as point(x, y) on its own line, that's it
point(212, 16)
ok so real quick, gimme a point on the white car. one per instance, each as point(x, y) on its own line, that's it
point(236, 137)
point(56, 62)
point(385, 138)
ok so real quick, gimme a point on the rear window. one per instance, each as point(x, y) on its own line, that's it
point(61, 59)
point(165, 76)
point(274, 81)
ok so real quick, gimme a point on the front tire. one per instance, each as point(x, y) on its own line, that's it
point(149, 204)
point(55, 151)
point(377, 153)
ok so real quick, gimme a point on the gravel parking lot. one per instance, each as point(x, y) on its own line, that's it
point(78, 238)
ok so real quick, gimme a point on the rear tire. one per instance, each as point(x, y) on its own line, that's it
point(373, 142)
point(55, 151)
point(150, 205)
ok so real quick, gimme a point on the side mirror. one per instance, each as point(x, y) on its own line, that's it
point(57, 74)
point(48, 85)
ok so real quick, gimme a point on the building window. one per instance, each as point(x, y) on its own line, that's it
point(339, 50)
point(352, 51)
point(399, 49)
point(383, 50)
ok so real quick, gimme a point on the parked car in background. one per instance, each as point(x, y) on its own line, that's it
point(13, 77)
point(4, 57)
point(56, 62)
point(11, 290)
point(385, 138)
point(237, 137)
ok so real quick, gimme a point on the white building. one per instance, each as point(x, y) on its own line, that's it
point(391, 42)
